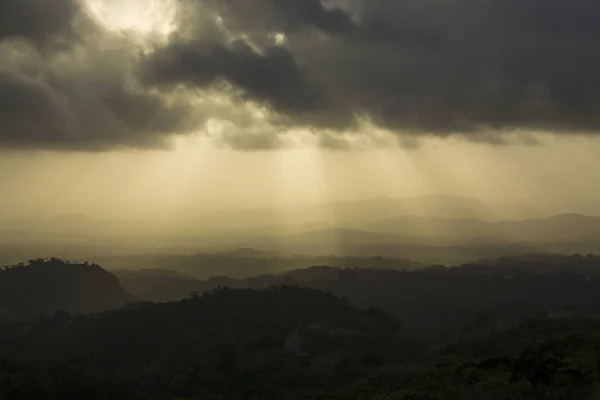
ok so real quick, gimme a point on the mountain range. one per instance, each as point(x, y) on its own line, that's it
point(563, 227)
point(431, 229)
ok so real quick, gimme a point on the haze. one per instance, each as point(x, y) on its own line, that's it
point(190, 125)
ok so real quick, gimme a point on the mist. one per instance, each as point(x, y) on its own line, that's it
point(197, 178)
point(202, 197)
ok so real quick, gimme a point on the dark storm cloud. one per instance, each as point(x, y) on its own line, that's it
point(424, 67)
point(67, 84)
point(474, 68)
point(258, 16)
point(271, 77)
point(70, 112)
point(37, 20)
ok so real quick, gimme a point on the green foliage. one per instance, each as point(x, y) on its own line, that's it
point(278, 342)
point(435, 303)
point(293, 343)
point(561, 365)
point(44, 286)
point(60, 381)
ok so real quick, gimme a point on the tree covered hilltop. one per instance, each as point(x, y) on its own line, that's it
point(513, 328)
point(43, 286)
point(287, 343)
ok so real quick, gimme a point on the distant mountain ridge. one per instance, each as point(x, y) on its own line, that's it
point(563, 227)
point(430, 229)
point(435, 298)
point(369, 209)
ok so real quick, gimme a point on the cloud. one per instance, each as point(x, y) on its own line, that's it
point(482, 70)
point(68, 84)
point(271, 77)
point(37, 20)
point(454, 67)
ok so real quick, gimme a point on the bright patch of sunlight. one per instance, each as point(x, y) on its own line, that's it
point(279, 38)
point(140, 16)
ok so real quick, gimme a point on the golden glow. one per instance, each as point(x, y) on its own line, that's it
point(196, 174)
point(192, 192)
point(141, 16)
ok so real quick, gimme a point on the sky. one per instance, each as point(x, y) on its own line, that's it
point(148, 107)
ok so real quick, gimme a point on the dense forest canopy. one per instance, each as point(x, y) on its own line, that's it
point(43, 286)
point(516, 327)
point(287, 343)
point(432, 302)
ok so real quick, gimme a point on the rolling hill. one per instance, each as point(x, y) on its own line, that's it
point(45, 286)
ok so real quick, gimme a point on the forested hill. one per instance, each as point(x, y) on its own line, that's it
point(436, 303)
point(44, 286)
point(282, 341)
point(287, 344)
